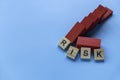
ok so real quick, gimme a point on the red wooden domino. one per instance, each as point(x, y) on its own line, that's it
point(100, 11)
point(93, 43)
point(88, 22)
point(107, 14)
point(78, 29)
point(94, 19)
point(101, 8)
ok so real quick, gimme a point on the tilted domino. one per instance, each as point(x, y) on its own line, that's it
point(78, 29)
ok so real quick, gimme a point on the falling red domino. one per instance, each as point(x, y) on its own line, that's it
point(100, 11)
point(78, 29)
point(106, 15)
point(88, 22)
point(95, 20)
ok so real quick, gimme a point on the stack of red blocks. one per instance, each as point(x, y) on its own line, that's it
point(85, 44)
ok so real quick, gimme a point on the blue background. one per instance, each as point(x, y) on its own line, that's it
point(31, 29)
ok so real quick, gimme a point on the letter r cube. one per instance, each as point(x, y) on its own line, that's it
point(64, 43)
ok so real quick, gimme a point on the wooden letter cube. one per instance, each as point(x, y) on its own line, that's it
point(85, 53)
point(64, 43)
point(72, 52)
point(99, 54)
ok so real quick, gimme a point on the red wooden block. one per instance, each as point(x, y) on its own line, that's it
point(102, 9)
point(98, 13)
point(94, 19)
point(93, 43)
point(107, 14)
point(78, 29)
point(88, 22)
